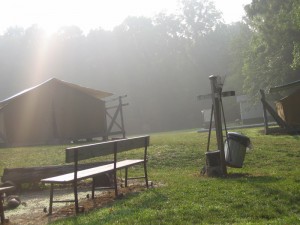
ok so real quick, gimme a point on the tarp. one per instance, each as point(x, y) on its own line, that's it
point(285, 87)
point(288, 108)
point(52, 112)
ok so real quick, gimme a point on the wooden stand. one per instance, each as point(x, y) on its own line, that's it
point(216, 111)
point(216, 90)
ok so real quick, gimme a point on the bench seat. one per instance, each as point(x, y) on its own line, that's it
point(92, 172)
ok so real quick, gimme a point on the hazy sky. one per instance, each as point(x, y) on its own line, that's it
point(89, 14)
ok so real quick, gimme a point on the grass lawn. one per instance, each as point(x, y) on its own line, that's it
point(265, 191)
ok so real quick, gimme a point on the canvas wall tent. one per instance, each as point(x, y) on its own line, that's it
point(288, 108)
point(53, 112)
point(287, 114)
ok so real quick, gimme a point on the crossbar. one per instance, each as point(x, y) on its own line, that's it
point(105, 148)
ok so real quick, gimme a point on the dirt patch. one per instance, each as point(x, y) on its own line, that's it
point(33, 209)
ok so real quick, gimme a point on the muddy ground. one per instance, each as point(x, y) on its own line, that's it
point(33, 209)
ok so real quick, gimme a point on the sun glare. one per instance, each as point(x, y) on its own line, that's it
point(86, 14)
point(91, 14)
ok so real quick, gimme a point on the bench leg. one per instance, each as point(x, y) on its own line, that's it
point(76, 197)
point(116, 184)
point(2, 210)
point(51, 199)
point(146, 175)
point(93, 188)
point(126, 176)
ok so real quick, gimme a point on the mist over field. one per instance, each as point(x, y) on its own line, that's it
point(161, 63)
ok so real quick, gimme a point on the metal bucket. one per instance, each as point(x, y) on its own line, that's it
point(235, 149)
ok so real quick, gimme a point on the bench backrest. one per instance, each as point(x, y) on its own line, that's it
point(105, 148)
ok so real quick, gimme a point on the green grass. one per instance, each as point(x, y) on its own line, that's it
point(265, 191)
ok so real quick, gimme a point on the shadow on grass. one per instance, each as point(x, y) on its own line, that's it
point(153, 199)
point(246, 177)
point(264, 184)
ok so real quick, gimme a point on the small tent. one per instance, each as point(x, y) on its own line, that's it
point(288, 108)
point(53, 112)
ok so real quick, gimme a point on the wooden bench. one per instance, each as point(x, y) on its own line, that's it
point(33, 175)
point(83, 152)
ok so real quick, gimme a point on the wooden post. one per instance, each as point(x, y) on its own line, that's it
point(121, 115)
point(105, 135)
point(75, 181)
point(263, 97)
point(1, 210)
point(51, 199)
point(145, 161)
point(115, 169)
point(216, 93)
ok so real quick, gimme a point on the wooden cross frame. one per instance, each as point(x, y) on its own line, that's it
point(113, 115)
point(217, 108)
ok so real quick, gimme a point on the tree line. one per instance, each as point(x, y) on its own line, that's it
point(161, 63)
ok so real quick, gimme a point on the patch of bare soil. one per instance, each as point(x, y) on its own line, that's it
point(33, 209)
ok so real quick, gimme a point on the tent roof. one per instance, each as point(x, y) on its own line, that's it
point(293, 94)
point(285, 86)
point(92, 92)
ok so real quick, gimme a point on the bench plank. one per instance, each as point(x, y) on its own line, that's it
point(89, 151)
point(34, 174)
point(105, 148)
point(133, 143)
point(88, 173)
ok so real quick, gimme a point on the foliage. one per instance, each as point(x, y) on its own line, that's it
point(265, 191)
point(296, 21)
point(238, 52)
point(273, 55)
point(199, 18)
point(160, 62)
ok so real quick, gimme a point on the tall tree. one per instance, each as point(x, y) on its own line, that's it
point(272, 58)
point(296, 21)
point(241, 36)
point(199, 17)
point(162, 63)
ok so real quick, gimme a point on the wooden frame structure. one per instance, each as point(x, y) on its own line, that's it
point(217, 111)
point(113, 112)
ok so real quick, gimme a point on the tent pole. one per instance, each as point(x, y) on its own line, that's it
point(263, 98)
